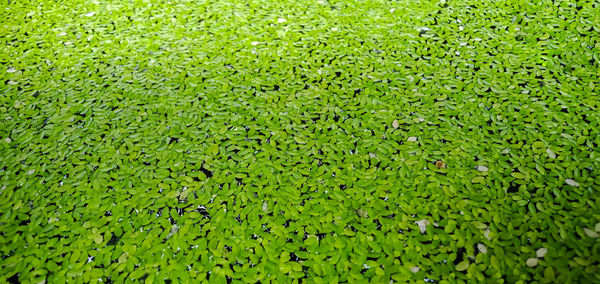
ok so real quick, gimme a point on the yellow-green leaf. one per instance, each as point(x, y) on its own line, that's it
point(463, 265)
point(123, 257)
point(537, 144)
point(517, 175)
point(98, 238)
point(214, 149)
point(299, 140)
point(478, 179)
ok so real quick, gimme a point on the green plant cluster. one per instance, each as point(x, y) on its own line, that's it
point(317, 141)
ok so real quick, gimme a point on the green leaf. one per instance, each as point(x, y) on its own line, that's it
point(213, 149)
point(581, 261)
point(478, 179)
point(495, 263)
point(549, 274)
point(123, 257)
point(98, 239)
point(296, 266)
point(517, 175)
point(537, 144)
point(52, 266)
point(462, 266)
point(299, 140)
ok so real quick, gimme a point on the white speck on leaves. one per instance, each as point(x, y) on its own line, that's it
point(541, 252)
point(265, 206)
point(482, 168)
point(90, 14)
point(395, 123)
point(550, 153)
point(7, 140)
point(566, 135)
point(62, 34)
point(532, 262)
point(392, 10)
point(412, 139)
point(30, 172)
point(11, 70)
point(571, 182)
point(255, 43)
point(423, 225)
point(173, 231)
point(486, 234)
point(281, 20)
point(415, 269)
point(482, 248)
point(590, 233)
point(11, 82)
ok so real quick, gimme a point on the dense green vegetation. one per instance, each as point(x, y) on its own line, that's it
point(319, 141)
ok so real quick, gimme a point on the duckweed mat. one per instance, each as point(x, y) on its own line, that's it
point(300, 141)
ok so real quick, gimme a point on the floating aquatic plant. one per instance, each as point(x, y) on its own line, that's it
point(319, 141)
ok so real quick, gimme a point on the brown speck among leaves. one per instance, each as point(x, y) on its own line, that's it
point(440, 165)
